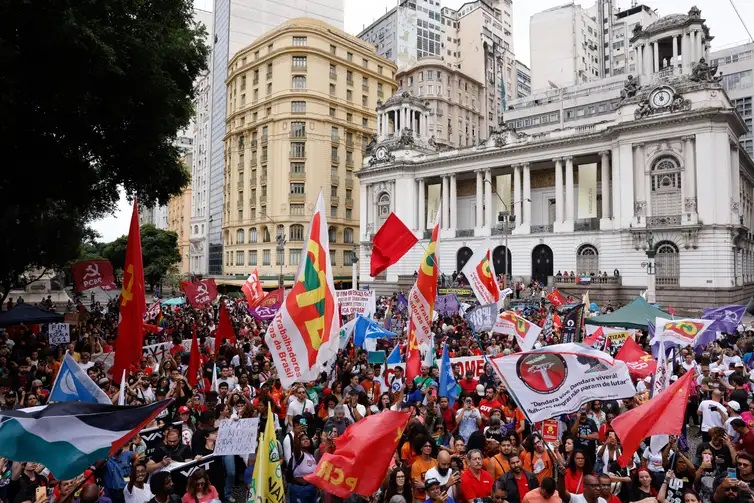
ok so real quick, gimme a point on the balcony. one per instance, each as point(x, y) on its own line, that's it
point(253, 161)
point(297, 135)
point(297, 177)
point(349, 202)
point(334, 201)
point(296, 198)
point(665, 221)
point(253, 143)
point(335, 181)
point(588, 280)
point(255, 81)
point(465, 233)
point(349, 162)
point(334, 160)
point(263, 159)
point(264, 139)
point(298, 69)
point(298, 154)
point(544, 229)
point(334, 138)
point(349, 183)
point(263, 179)
point(240, 185)
point(349, 142)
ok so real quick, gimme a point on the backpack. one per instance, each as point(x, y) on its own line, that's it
point(291, 465)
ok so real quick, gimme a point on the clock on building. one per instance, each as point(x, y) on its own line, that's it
point(661, 97)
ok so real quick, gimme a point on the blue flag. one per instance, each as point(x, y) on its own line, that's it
point(726, 319)
point(448, 385)
point(402, 304)
point(394, 358)
point(368, 329)
point(74, 385)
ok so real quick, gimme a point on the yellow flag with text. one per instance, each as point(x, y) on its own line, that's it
point(267, 482)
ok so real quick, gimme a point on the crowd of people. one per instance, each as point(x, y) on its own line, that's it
point(479, 448)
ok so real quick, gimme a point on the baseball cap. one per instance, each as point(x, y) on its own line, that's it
point(431, 482)
point(734, 405)
point(183, 409)
point(299, 419)
point(480, 389)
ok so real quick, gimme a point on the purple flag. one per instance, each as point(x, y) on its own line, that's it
point(726, 319)
point(402, 304)
point(265, 313)
point(447, 305)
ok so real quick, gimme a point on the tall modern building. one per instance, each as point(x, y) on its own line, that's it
point(475, 40)
point(523, 80)
point(301, 112)
point(737, 67)
point(236, 24)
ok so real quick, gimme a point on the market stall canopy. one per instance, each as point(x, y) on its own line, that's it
point(636, 314)
point(27, 314)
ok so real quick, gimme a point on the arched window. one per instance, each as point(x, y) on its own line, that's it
point(587, 260)
point(666, 187)
point(240, 236)
point(299, 82)
point(383, 208)
point(296, 233)
point(668, 264)
point(266, 234)
point(348, 235)
point(196, 229)
point(331, 234)
point(253, 235)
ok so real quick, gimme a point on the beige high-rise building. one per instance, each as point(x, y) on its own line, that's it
point(301, 111)
point(179, 221)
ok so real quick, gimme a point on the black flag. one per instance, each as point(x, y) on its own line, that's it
point(572, 323)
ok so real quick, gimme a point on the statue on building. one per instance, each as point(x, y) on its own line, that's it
point(407, 137)
point(644, 109)
point(637, 29)
point(695, 12)
point(630, 88)
point(703, 72)
point(372, 143)
point(432, 141)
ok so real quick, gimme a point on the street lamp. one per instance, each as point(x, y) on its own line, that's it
point(651, 268)
point(354, 269)
point(504, 218)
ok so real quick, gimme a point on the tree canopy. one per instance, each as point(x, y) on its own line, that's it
point(159, 250)
point(92, 95)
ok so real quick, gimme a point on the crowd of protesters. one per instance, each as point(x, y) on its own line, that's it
point(480, 448)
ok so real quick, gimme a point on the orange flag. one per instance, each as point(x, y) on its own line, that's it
point(224, 329)
point(133, 303)
point(662, 415)
point(194, 361)
point(362, 455)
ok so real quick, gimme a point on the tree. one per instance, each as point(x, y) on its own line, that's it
point(92, 95)
point(159, 250)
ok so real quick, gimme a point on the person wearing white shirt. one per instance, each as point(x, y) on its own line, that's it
point(299, 426)
point(713, 413)
point(734, 412)
point(689, 363)
point(236, 360)
point(299, 405)
point(354, 410)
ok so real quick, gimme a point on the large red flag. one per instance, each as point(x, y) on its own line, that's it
point(556, 298)
point(194, 361)
point(413, 358)
point(92, 274)
point(252, 288)
point(662, 415)
point(224, 329)
point(390, 243)
point(133, 303)
point(639, 363)
point(362, 455)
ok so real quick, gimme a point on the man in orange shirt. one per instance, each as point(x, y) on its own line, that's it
point(371, 387)
point(545, 493)
point(498, 465)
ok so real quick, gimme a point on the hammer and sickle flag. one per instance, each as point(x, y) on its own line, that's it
point(480, 271)
point(421, 299)
point(303, 335)
point(133, 303)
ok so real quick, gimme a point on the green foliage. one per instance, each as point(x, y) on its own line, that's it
point(159, 250)
point(92, 95)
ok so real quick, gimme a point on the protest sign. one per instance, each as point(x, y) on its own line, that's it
point(71, 318)
point(237, 437)
point(550, 430)
point(356, 302)
point(59, 333)
point(180, 472)
point(152, 438)
point(473, 363)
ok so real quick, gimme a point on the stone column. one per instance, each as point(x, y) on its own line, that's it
point(517, 194)
point(527, 194)
point(689, 180)
point(656, 52)
point(640, 202)
point(422, 206)
point(675, 52)
point(453, 203)
point(479, 201)
point(735, 184)
point(445, 203)
point(605, 174)
point(488, 198)
point(569, 192)
point(640, 60)
point(558, 190)
point(694, 49)
point(364, 208)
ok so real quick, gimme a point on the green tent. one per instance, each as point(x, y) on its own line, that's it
point(633, 315)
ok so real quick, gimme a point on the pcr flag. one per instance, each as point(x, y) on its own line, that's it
point(448, 385)
point(662, 415)
point(480, 273)
point(362, 455)
point(267, 481)
point(133, 303)
point(685, 332)
point(639, 363)
point(252, 288)
point(74, 385)
point(558, 379)
point(365, 328)
point(391, 242)
point(573, 320)
point(92, 274)
point(421, 299)
point(303, 336)
point(224, 330)
point(556, 298)
point(68, 437)
point(526, 332)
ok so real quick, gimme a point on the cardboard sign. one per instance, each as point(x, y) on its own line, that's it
point(237, 437)
point(59, 333)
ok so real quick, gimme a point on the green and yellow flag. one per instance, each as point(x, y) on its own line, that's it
point(267, 483)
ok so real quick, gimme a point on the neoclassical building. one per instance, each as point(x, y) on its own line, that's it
point(657, 187)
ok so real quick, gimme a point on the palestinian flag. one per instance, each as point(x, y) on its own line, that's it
point(68, 437)
point(303, 335)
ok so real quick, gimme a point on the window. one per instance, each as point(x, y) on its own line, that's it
point(333, 191)
point(298, 107)
point(349, 95)
point(332, 112)
point(334, 154)
point(365, 63)
point(298, 129)
point(280, 257)
point(253, 235)
point(332, 257)
point(348, 257)
point(252, 257)
point(265, 257)
point(348, 213)
point(299, 62)
point(240, 237)
point(349, 56)
point(239, 257)
point(332, 93)
point(297, 209)
point(668, 265)
point(265, 232)
point(364, 122)
point(296, 233)
point(349, 77)
point(298, 149)
point(666, 187)
point(332, 234)
point(739, 80)
point(364, 100)
point(349, 117)
point(332, 49)
point(299, 41)
point(334, 134)
point(295, 257)
point(348, 235)
point(298, 168)
point(298, 82)
point(587, 260)
point(333, 211)
point(298, 188)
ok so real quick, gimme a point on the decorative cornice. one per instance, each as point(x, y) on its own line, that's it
point(558, 159)
point(638, 145)
point(568, 158)
point(604, 153)
point(688, 137)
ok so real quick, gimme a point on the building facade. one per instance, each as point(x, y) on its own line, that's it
point(737, 67)
point(523, 80)
point(659, 190)
point(236, 24)
point(179, 221)
point(301, 111)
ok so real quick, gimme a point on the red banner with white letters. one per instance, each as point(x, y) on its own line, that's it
point(201, 292)
point(92, 274)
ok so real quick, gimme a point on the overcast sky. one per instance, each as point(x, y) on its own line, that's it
point(721, 18)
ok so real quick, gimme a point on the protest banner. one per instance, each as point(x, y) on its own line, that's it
point(180, 472)
point(356, 302)
point(59, 333)
point(237, 437)
point(473, 363)
point(152, 438)
point(550, 433)
point(461, 292)
point(71, 318)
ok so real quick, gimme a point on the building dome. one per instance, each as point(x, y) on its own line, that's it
point(668, 23)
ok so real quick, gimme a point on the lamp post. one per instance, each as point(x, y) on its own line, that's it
point(504, 218)
point(651, 268)
point(354, 269)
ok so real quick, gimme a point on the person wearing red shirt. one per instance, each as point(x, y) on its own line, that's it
point(475, 482)
point(448, 414)
point(469, 384)
point(489, 402)
point(606, 489)
point(745, 440)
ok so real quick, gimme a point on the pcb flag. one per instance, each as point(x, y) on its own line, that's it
point(684, 332)
point(303, 335)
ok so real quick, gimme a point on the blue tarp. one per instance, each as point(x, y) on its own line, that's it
point(28, 314)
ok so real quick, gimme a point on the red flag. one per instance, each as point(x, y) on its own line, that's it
point(390, 243)
point(362, 455)
point(413, 358)
point(194, 361)
point(252, 288)
point(556, 298)
point(92, 274)
point(556, 323)
point(639, 363)
point(596, 340)
point(201, 292)
point(662, 415)
point(133, 303)
point(224, 329)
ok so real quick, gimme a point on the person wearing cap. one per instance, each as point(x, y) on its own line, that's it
point(298, 426)
point(468, 418)
point(187, 425)
point(11, 400)
point(436, 493)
